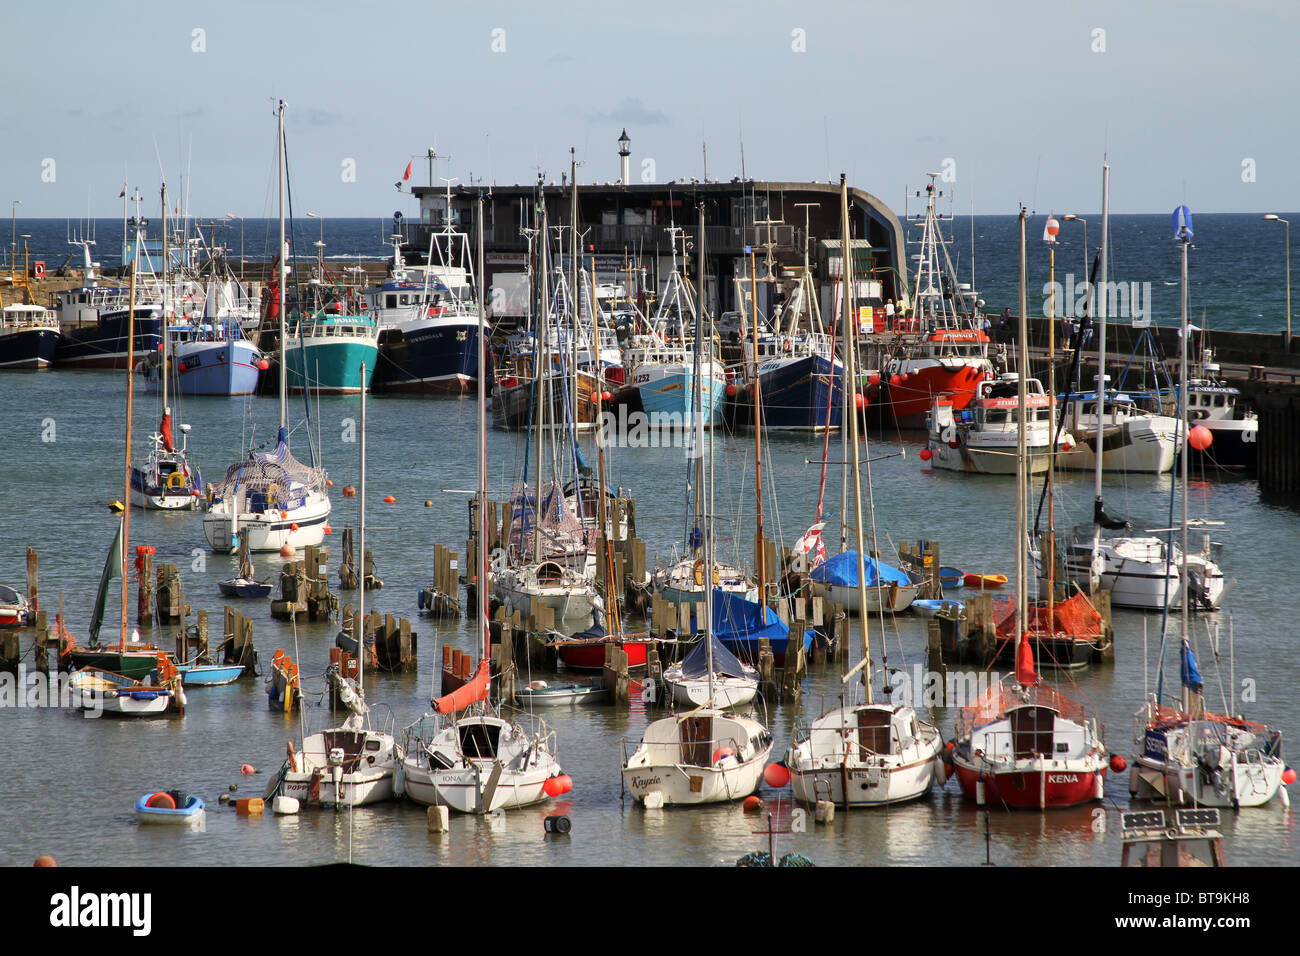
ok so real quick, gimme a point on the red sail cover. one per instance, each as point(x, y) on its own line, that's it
point(1025, 664)
point(463, 696)
point(166, 430)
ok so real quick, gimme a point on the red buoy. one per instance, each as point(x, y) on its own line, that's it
point(328, 529)
point(389, 499)
point(1200, 438)
point(776, 775)
point(1288, 776)
point(263, 365)
point(874, 378)
point(293, 526)
point(860, 401)
point(552, 787)
point(753, 803)
point(731, 390)
point(926, 454)
point(181, 367)
point(895, 380)
point(723, 751)
point(1117, 763)
point(606, 396)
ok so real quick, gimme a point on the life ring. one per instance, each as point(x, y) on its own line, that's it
point(175, 481)
point(786, 345)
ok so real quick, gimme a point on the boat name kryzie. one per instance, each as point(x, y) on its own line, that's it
point(103, 910)
point(36, 689)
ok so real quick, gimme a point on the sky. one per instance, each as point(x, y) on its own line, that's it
point(1014, 102)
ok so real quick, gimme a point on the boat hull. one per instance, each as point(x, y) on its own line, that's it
point(1234, 446)
point(907, 403)
point(191, 815)
point(462, 789)
point(267, 531)
point(217, 368)
point(795, 393)
point(333, 363)
point(682, 784)
point(1251, 785)
point(1145, 445)
point(428, 357)
point(890, 597)
point(667, 395)
point(590, 655)
point(28, 348)
point(1031, 787)
point(104, 343)
point(868, 786)
point(132, 664)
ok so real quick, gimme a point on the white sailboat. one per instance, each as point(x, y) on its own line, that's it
point(706, 755)
point(352, 764)
point(1185, 753)
point(166, 480)
point(279, 500)
point(479, 762)
point(867, 754)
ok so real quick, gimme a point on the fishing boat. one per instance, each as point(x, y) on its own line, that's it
point(710, 675)
point(1022, 744)
point(170, 808)
point(28, 337)
point(213, 357)
point(1193, 840)
point(945, 347)
point(462, 754)
point(887, 587)
point(1183, 751)
point(982, 439)
point(868, 754)
point(280, 501)
point(327, 350)
point(427, 318)
point(95, 689)
point(1217, 406)
point(15, 610)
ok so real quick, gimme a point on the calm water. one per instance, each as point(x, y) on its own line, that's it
point(1236, 265)
point(71, 782)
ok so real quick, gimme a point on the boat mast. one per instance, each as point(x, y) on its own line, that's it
point(576, 291)
point(761, 561)
point(484, 594)
point(697, 407)
point(1184, 238)
point(1021, 410)
point(602, 510)
point(540, 355)
point(1047, 552)
point(361, 598)
point(850, 376)
point(282, 277)
point(1099, 310)
point(165, 290)
point(126, 494)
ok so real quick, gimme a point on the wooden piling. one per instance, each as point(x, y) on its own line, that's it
point(33, 598)
point(614, 675)
point(170, 597)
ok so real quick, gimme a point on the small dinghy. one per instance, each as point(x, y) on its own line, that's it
point(171, 808)
point(14, 610)
point(244, 588)
point(982, 582)
point(933, 607)
point(209, 675)
point(568, 694)
point(112, 693)
point(951, 577)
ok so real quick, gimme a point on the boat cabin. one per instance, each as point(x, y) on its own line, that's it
point(1031, 731)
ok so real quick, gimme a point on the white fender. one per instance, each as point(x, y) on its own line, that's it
point(979, 792)
point(1099, 788)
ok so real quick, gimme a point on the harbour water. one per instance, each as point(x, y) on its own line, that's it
point(71, 782)
point(1236, 268)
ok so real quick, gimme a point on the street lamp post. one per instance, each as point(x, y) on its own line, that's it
point(1074, 218)
point(13, 231)
point(1273, 217)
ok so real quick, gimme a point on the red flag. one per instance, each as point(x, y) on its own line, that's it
point(407, 175)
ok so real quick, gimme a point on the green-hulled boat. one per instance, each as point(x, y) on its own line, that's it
point(333, 348)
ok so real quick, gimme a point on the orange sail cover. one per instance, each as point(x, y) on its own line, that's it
point(476, 690)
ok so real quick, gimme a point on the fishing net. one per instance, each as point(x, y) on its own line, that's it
point(273, 479)
point(560, 527)
point(1074, 617)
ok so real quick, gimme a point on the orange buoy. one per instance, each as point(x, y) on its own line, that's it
point(776, 775)
point(1200, 437)
point(753, 803)
point(349, 491)
point(428, 504)
point(551, 787)
point(287, 551)
point(328, 529)
point(329, 482)
point(283, 515)
point(45, 861)
point(246, 769)
point(161, 801)
point(389, 499)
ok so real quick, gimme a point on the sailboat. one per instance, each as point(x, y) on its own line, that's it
point(279, 500)
point(111, 671)
point(1023, 744)
point(872, 753)
point(706, 755)
point(1184, 752)
point(479, 762)
point(352, 764)
point(1139, 570)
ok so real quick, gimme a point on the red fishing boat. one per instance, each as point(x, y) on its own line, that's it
point(588, 653)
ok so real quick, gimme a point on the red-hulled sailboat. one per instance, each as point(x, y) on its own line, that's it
point(1021, 744)
point(943, 347)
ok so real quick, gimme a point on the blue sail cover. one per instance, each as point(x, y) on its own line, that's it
point(696, 663)
point(1190, 674)
point(741, 624)
point(843, 570)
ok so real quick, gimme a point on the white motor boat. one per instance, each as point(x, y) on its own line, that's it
point(1134, 438)
point(705, 756)
point(882, 753)
point(1138, 572)
point(982, 439)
